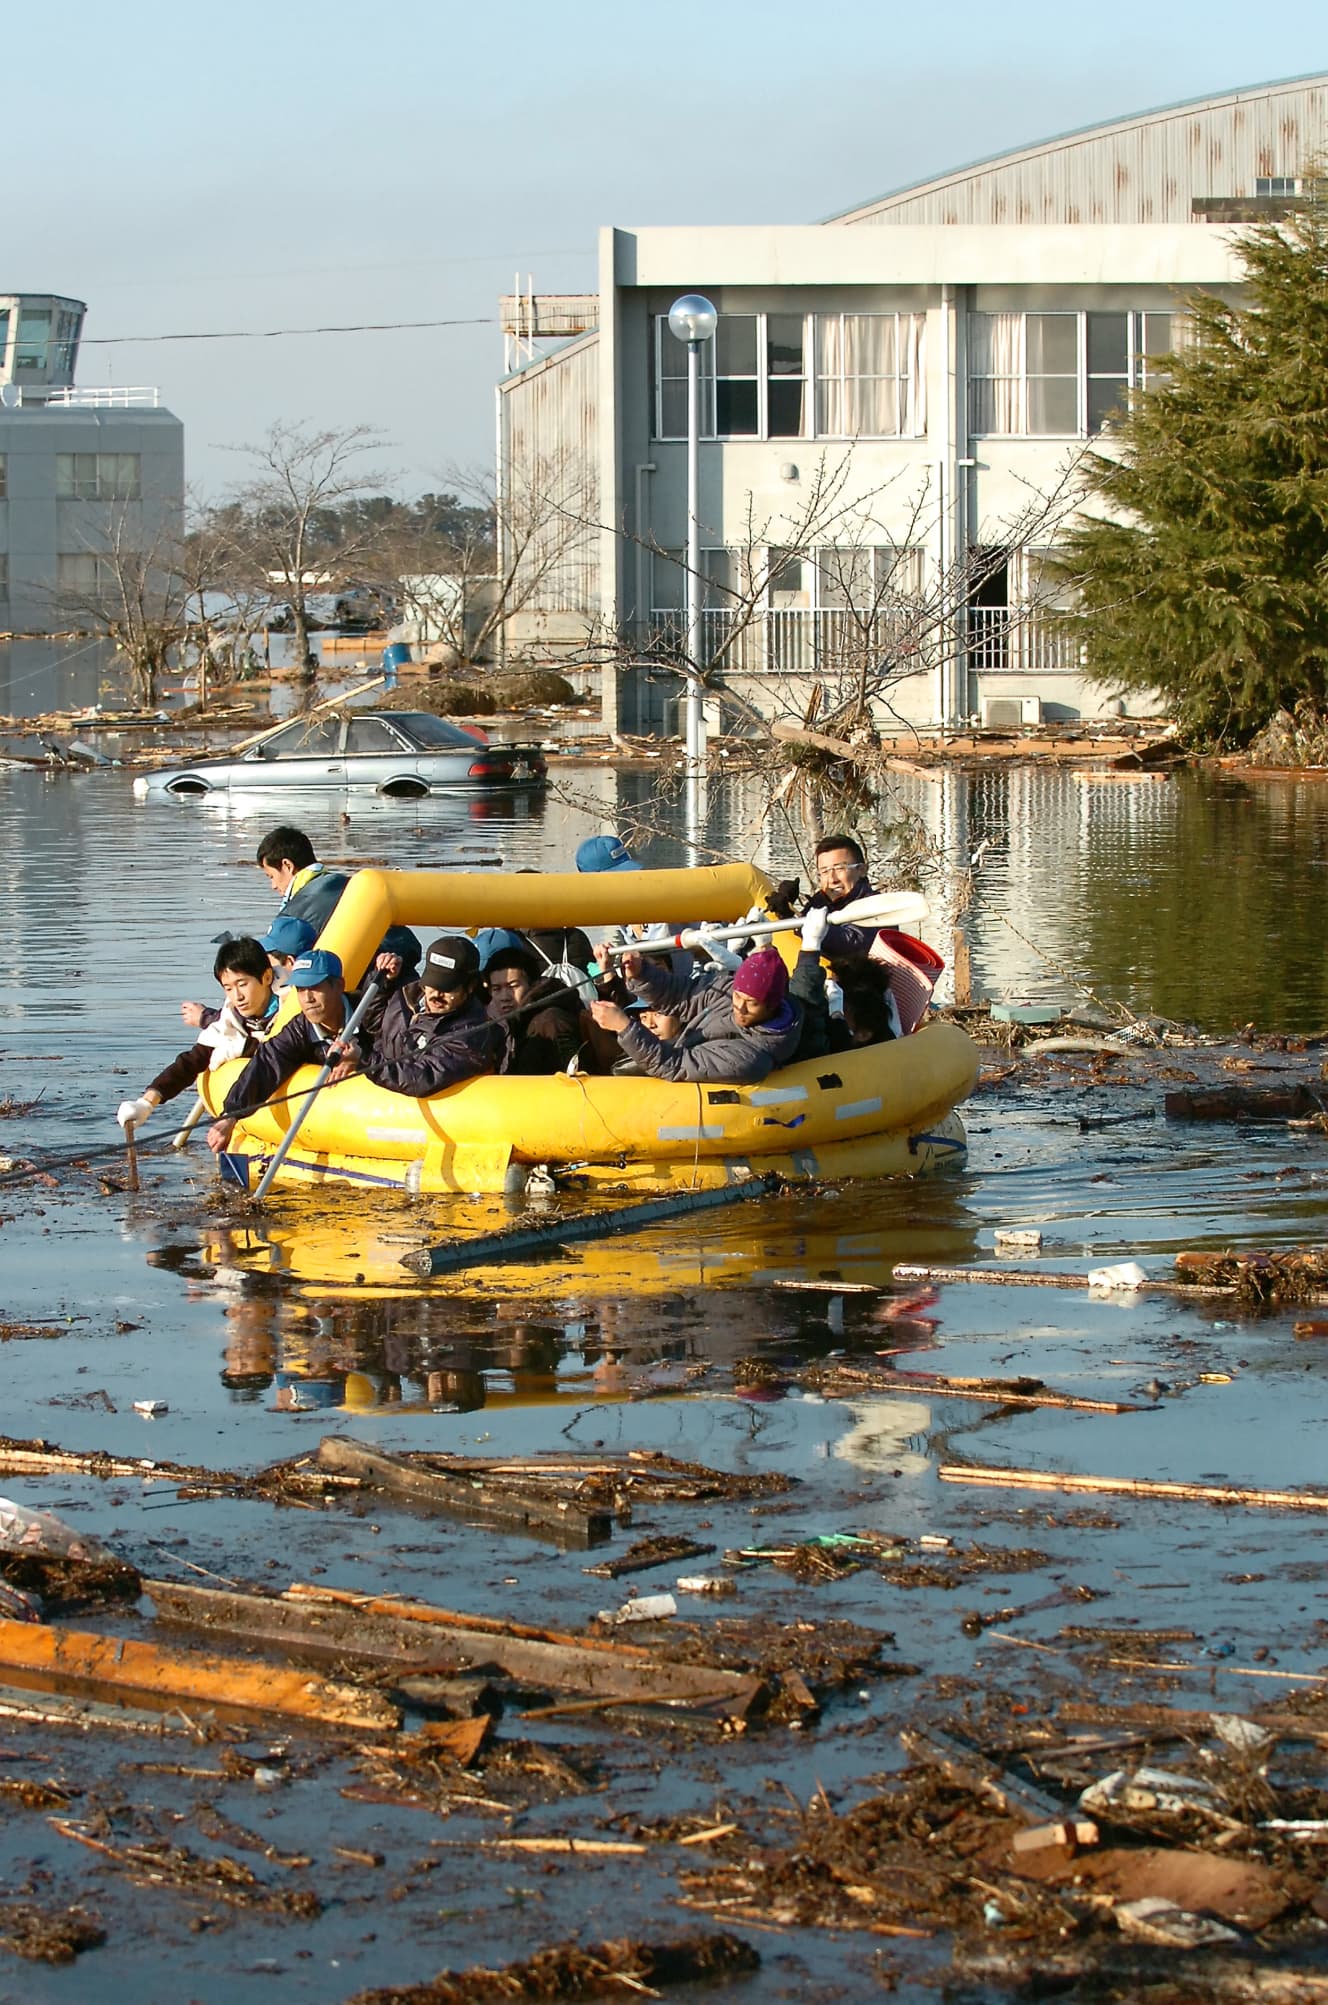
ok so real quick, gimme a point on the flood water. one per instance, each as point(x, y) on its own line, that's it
point(1203, 900)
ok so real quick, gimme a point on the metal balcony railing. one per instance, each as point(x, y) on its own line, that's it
point(1014, 640)
point(791, 641)
point(109, 397)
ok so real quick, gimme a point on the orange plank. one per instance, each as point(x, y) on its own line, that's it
point(119, 1667)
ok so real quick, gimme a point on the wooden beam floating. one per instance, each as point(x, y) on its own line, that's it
point(1131, 1486)
point(415, 1634)
point(119, 1668)
point(505, 1506)
point(1032, 1277)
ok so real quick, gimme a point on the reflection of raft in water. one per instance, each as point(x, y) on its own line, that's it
point(880, 1110)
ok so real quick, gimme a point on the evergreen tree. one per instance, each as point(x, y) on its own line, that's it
point(1209, 580)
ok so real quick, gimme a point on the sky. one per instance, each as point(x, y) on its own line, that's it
point(255, 166)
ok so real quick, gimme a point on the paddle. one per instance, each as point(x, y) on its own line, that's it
point(180, 1139)
point(325, 1073)
point(885, 908)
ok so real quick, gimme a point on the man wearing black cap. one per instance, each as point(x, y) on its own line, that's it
point(434, 1032)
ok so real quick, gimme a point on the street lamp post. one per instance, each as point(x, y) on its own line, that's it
point(693, 319)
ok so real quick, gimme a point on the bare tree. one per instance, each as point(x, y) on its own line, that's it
point(290, 524)
point(142, 588)
point(525, 544)
point(881, 614)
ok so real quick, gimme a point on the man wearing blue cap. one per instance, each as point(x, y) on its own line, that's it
point(604, 852)
point(284, 942)
point(325, 1009)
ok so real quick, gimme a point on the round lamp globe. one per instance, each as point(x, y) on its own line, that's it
point(693, 318)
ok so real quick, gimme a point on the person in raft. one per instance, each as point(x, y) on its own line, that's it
point(285, 940)
point(307, 1039)
point(283, 943)
point(539, 1015)
point(234, 1031)
point(435, 1032)
point(841, 878)
point(734, 1028)
point(307, 888)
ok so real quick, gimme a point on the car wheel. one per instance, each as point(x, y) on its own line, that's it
point(188, 790)
point(404, 790)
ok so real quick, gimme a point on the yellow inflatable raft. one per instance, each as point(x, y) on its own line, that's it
point(880, 1110)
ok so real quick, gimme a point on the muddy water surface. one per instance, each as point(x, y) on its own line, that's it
point(261, 1335)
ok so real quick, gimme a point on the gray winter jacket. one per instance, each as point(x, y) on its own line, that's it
point(710, 1047)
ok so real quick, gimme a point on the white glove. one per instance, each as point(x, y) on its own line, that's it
point(717, 951)
point(133, 1113)
point(814, 929)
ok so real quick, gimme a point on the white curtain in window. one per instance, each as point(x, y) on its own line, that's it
point(996, 370)
point(913, 372)
point(857, 375)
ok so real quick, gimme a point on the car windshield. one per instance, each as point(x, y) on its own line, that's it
point(431, 731)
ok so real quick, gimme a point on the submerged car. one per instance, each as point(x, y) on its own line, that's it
point(401, 754)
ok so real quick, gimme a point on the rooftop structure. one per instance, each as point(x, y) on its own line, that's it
point(81, 469)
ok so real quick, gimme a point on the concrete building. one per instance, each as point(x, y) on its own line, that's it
point(78, 468)
point(892, 407)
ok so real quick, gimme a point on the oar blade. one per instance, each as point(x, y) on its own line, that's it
point(885, 908)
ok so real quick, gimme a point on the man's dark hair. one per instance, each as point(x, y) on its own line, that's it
point(866, 989)
point(241, 956)
point(847, 842)
point(286, 845)
point(512, 957)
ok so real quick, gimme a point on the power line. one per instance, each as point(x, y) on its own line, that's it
point(276, 333)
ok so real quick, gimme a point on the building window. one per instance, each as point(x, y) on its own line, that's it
point(34, 340)
point(1278, 184)
point(1155, 336)
point(870, 375)
point(753, 378)
point(722, 586)
point(4, 577)
point(785, 375)
point(4, 476)
point(732, 355)
point(83, 574)
point(756, 377)
point(860, 578)
point(65, 352)
point(98, 476)
point(864, 578)
point(1060, 375)
point(4, 335)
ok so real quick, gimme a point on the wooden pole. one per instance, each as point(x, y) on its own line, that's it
point(492, 1247)
point(131, 1157)
point(1130, 1486)
point(1031, 1277)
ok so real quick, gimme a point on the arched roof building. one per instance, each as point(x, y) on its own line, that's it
point(891, 418)
point(1183, 163)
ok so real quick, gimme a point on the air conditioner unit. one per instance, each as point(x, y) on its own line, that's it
point(1007, 713)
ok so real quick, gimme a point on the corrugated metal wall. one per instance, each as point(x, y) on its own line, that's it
point(1151, 169)
point(550, 480)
